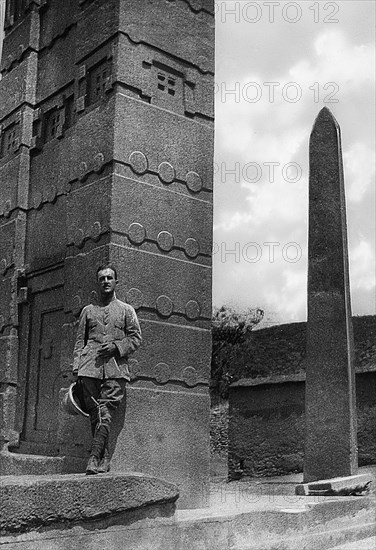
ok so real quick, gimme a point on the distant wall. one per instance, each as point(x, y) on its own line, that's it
point(281, 350)
point(266, 424)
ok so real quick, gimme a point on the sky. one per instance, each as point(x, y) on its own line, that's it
point(277, 65)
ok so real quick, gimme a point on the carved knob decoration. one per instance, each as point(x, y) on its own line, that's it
point(82, 169)
point(50, 194)
point(99, 162)
point(192, 310)
point(192, 248)
point(138, 162)
point(7, 208)
point(165, 241)
point(93, 297)
point(190, 376)
point(136, 233)
point(162, 373)
point(166, 172)
point(95, 231)
point(194, 182)
point(134, 368)
point(164, 305)
point(37, 200)
point(79, 238)
point(135, 298)
point(3, 265)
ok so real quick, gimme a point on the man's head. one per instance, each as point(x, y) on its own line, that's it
point(107, 280)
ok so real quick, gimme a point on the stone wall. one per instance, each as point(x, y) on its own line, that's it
point(266, 401)
point(281, 349)
point(267, 422)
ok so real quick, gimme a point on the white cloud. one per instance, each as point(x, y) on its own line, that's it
point(362, 266)
point(359, 166)
point(278, 131)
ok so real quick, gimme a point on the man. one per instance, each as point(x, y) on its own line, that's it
point(107, 335)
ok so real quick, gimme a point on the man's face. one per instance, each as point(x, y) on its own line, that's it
point(107, 282)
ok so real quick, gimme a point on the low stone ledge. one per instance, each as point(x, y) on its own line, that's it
point(31, 502)
point(349, 485)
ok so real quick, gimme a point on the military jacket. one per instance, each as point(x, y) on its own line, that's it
point(116, 322)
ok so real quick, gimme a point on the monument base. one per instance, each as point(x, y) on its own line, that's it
point(40, 502)
point(348, 485)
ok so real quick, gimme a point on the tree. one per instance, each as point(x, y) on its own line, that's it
point(229, 329)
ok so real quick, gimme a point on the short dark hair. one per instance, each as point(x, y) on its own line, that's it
point(107, 266)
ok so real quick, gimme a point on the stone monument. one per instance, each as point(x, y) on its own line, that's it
point(106, 155)
point(330, 435)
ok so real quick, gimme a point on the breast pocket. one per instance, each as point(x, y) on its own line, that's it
point(119, 329)
point(93, 327)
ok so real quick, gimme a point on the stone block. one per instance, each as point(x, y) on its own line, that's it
point(163, 148)
point(19, 85)
point(31, 502)
point(14, 176)
point(89, 211)
point(179, 228)
point(95, 26)
point(349, 485)
point(190, 35)
point(21, 40)
point(165, 431)
point(181, 293)
point(18, 464)
point(173, 353)
point(46, 243)
point(57, 18)
point(163, 81)
point(56, 66)
point(85, 148)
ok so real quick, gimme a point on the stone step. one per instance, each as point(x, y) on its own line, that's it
point(136, 512)
point(17, 464)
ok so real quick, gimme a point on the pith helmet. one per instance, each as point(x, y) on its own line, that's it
point(71, 401)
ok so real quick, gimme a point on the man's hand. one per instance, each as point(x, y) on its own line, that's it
point(107, 350)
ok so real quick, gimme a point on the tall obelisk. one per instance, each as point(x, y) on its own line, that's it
point(330, 439)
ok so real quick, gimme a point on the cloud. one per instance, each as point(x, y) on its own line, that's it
point(328, 63)
point(362, 266)
point(359, 166)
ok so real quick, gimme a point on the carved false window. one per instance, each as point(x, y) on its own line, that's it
point(69, 112)
point(99, 81)
point(54, 124)
point(10, 139)
point(15, 10)
point(166, 83)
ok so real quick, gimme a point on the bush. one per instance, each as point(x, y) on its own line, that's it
point(229, 329)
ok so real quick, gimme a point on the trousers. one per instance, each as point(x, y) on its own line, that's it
point(101, 399)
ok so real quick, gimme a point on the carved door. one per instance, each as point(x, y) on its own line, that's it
point(44, 376)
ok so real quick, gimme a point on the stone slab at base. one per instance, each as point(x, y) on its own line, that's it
point(294, 523)
point(33, 502)
point(349, 485)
